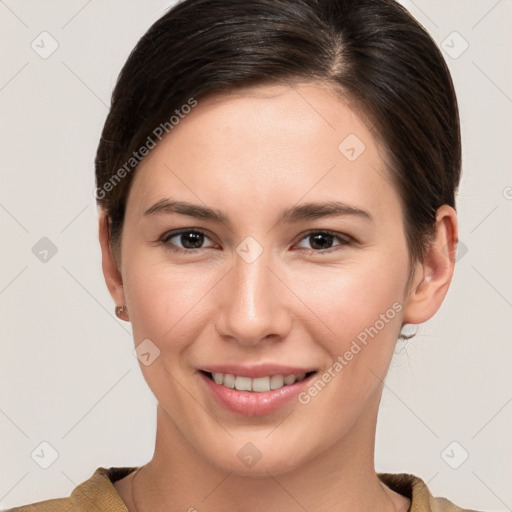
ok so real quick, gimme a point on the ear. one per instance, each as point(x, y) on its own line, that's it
point(111, 273)
point(433, 275)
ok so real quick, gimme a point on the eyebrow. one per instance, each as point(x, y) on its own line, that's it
point(295, 214)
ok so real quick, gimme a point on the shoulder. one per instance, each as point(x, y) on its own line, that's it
point(97, 493)
point(417, 491)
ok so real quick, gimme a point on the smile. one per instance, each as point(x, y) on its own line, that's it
point(257, 385)
point(259, 391)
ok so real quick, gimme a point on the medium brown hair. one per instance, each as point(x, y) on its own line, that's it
point(372, 51)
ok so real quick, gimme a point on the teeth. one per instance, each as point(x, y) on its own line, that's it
point(289, 379)
point(276, 381)
point(228, 380)
point(243, 383)
point(259, 384)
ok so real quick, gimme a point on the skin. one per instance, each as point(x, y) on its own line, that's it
point(252, 154)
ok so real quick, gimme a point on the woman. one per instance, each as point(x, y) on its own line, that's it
point(276, 182)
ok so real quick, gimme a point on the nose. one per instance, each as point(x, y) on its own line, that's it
point(254, 303)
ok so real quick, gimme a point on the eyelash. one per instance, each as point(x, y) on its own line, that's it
point(344, 240)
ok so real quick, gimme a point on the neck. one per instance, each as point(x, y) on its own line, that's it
point(342, 478)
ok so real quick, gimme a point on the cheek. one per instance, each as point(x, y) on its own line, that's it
point(157, 299)
point(167, 303)
point(362, 309)
point(361, 317)
point(349, 300)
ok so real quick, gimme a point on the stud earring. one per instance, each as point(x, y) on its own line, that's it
point(120, 310)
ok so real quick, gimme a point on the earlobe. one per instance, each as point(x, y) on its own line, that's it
point(111, 273)
point(433, 274)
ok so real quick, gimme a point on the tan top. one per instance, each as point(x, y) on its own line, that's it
point(98, 494)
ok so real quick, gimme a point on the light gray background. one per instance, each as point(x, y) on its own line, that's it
point(68, 375)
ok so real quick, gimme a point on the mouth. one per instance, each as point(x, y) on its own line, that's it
point(258, 384)
point(255, 395)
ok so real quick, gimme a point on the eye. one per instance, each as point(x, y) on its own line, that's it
point(321, 241)
point(189, 239)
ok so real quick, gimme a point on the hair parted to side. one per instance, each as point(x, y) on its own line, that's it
point(373, 52)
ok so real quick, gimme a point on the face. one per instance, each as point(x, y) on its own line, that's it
point(254, 279)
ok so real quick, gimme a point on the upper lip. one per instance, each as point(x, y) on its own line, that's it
point(257, 370)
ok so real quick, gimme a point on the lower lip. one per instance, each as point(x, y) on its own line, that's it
point(251, 403)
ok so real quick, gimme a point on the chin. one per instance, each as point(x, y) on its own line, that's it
point(257, 456)
point(268, 463)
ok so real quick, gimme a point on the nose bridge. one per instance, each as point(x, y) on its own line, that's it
point(252, 308)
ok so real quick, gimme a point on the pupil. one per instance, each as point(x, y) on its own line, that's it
point(192, 240)
point(317, 238)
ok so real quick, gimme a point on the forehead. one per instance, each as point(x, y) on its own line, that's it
point(258, 142)
point(297, 112)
